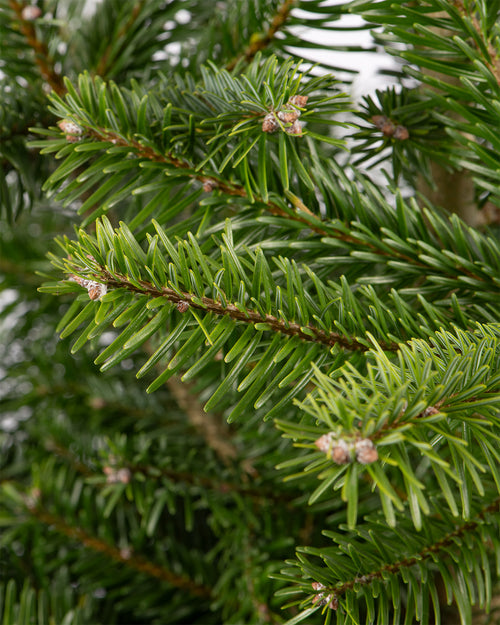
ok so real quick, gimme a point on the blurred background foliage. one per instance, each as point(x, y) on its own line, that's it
point(118, 506)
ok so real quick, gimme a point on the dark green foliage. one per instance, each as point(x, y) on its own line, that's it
point(454, 53)
point(245, 377)
point(400, 125)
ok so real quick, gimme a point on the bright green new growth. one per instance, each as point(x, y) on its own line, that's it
point(231, 246)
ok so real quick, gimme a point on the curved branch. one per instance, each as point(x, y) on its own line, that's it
point(302, 215)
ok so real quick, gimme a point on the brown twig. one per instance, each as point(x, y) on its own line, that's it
point(123, 556)
point(42, 57)
point(102, 68)
point(206, 304)
point(302, 215)
point(263, 41)
point(144, 151)
point(234, 189)
point(427, 552)
point(215, 432)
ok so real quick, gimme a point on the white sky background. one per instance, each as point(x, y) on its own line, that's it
point(366, 63)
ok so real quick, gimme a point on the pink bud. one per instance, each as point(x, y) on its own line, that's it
point(30, 13)
point(366, 452)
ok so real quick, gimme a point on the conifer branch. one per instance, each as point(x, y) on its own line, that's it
point(441, 546)
point(260, 495)
point(206, 304)
point(106, 59)
point(439, 406)
point(41, 53)
point(262, 41)
point(123, 556)
point(493, 63)
point(147, 152)
point(304, 215)
point(225, 246)
point(208, 425)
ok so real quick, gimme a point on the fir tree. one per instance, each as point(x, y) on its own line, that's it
point(245, 376)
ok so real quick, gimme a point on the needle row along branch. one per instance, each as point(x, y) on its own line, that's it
point(260, 495)
point(437, 551)
point(384, 245)
point(43, 59)
point(237, 313)
point(122, 556)
point(114, 123)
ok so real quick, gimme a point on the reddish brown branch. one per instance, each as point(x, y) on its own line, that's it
point(427, 552)
point(102, 67)
point(123, 556)
point(42, 57)
point(263, 41)
point(308, 333)
point(303, 214)
point(144, 151)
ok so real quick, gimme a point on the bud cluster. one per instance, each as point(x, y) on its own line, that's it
point(322, 599)
point(430, 410)
point(117, 476)
point(31, 12)
point(389, 129)
point(343, 451)
point(289, 115)
point(72, 131)
point(209, 185)
point(96, 290)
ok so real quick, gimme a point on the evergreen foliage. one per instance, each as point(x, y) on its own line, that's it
point(250, 371)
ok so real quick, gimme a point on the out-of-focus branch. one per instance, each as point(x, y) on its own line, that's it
point(42, 57)
point(261, 41)
point(214, 431)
